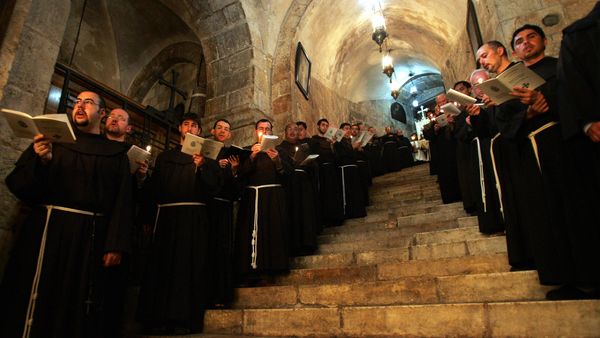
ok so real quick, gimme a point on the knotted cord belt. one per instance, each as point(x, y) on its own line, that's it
point(254, 241)
point(221, 199)
point(534, 143)
point(40, 261)
point(498, 185)
point(481, 174)
point(343, 167)
point(168, 205)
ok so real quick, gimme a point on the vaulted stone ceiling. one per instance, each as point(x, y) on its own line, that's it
point(337, 38)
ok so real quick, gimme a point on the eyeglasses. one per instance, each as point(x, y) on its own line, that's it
point(86, 102)
point(117, 117)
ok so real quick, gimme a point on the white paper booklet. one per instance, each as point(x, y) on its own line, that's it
point(519, 75)
point(330, 133)
point(135, 155)
point(309, 159)
point(55, 127)
point(456, 96)
point(268, 142)
point(450, 108)
point(197, 145)
point(368, 136)
point(442, 120)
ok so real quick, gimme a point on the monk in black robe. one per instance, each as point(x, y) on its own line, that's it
point(390, 154)
point(263, 224)
point(352, 187)
point(175, 290)
point(222, 228)
point(578, 90)
point(79, 224)
point(300, 194)
point(330, 187)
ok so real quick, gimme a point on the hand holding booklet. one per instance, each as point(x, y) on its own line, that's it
point(450, 108)
point(135, 155)
point(268, 142)
point(197, 145)
point(55, 127)
point(518, 75)
point(456, 96)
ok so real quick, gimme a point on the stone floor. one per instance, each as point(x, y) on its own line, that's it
point(413, 267)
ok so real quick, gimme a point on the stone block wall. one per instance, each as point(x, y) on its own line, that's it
point(158, 96)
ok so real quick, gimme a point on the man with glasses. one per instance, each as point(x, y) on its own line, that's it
point(78, 226)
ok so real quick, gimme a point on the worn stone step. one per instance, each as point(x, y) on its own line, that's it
point(468, 221)
point(432, 217)
point(381, 240)
point(450, 235)
point(407, 195)
point(498, 319)
point(502, 286)
point(348, 274)
point(469, 247)
point(403, 188)
point(361, 228)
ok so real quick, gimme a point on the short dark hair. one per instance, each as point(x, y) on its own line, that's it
point(354, 125)
point(101, 102)
point(322, 120)
point(190, 116)
point(465, 83)
point(535, 28)
point(344, 124)
point(261, 121)
point(302, 123)
point(496, 44)
point(221, 120)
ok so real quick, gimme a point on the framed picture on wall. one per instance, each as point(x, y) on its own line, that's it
point(302, 70)
point(473, 29)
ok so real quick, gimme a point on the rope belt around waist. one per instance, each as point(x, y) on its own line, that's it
point(222, 199)
point(343, 167)
point(40, 262)
point(498, 185)
point(481, 174)
point(300, 170)
point(534, 143)
point(169, 205)
point(254, 241)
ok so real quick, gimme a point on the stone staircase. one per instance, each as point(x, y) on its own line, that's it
point(412, 267)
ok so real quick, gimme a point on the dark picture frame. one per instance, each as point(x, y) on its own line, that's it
point(302, 70)
point(473, 30)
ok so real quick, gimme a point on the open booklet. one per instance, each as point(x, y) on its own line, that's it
point(333, 132)
point(366, 138)
point(55, 127)
point(135, 155)
point(518, 75)
point(198, 145)
point(268, 142)
point(456, 96)
point(238, 151)
point(450, 108)
point(442, 120)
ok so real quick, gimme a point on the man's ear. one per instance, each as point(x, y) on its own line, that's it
point(128, 129)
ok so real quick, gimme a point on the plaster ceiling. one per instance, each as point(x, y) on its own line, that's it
point(337, 38)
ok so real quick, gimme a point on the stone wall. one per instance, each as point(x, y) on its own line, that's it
point(376, 113)
point(499, 18)
point(158, 96)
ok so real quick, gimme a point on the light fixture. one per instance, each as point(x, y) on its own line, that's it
point(388, 66)
point(379, 32)
point(415, 103)
point(395, 87)
point(413, 90)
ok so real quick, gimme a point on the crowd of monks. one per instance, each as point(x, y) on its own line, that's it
point(529, 168)
point(187, 228)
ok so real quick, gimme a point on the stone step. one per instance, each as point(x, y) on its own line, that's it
point(450, 235)
point(361, 228)
point(432, 217)
point(381, 240)
point(407, 206)
point(474, 247)
point(392, 189)
point(408, 195)
point(496, 319)
point(468, 221)
point(391, 271)
point(502, 286)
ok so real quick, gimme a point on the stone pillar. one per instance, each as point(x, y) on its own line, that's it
point(27, 56)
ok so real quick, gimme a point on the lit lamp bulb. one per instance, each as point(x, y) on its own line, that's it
point(379, 33)
point(378, 21)
point(415, 103)
point(388, 66)
point(395, 87)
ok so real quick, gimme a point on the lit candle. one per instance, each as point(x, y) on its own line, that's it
point(260, 134)
point(148, 148)
point(296, 148)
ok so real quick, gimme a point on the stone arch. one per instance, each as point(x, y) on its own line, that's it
point(182, 52)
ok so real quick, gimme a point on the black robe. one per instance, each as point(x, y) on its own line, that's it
point(483, 187)
point(445, 161)
point(330, 187)
point(430, 135)
point(539, 195)
point(353, 187)
point(373, 152)
point(463, 134)
point(579, 87)
point(175, 287)
point(405, 150)
point(301, 197)
point(91, 175)
point(271, 240)
point(390, 153)
point(221, 238)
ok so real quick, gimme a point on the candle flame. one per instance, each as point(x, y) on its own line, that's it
point(148, 148)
